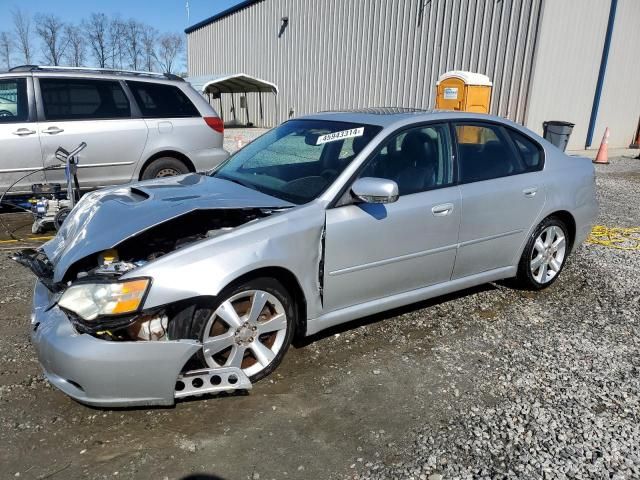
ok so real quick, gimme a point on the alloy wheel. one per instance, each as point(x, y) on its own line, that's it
point(246, 331)
point(548, 254)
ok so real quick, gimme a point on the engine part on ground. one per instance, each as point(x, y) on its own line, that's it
point(60, 217)
point(211, 380)
point(149, 328)
point(49, 209)
point(51, 189)
point(49, 213)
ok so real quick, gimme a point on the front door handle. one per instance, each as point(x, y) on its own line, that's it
point(22, 132)
point(53, 130)
point(530, 192)
point(442, 210)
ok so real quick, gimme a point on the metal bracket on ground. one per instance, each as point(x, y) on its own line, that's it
point(211, 380)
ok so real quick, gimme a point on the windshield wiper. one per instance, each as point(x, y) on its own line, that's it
point(235, 180)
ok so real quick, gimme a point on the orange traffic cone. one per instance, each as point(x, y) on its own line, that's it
point(636, 138)
point(603, 152)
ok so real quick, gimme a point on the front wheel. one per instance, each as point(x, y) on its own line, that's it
point(544, 255)
point(250, 326)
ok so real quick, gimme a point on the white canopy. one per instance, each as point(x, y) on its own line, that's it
point(231, 83)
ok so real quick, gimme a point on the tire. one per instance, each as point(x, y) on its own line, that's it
point(544, 255)
point(60, 217)
point(164, 167)
point(237, 344)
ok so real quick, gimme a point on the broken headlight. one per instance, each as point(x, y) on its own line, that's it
point(92, 300)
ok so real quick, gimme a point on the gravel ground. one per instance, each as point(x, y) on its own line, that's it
point(490, 382)
point(562, 369)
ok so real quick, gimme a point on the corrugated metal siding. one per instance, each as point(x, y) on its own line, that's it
point(620, 101)
point(567, 60)
point(357, 53)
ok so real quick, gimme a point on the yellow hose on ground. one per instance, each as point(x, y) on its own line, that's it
point(615, 237)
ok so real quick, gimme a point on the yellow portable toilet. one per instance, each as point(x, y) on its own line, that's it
point(464, 91)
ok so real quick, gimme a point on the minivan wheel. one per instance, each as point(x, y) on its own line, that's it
point(544, 255)
point(249, 326)
point(164, 167)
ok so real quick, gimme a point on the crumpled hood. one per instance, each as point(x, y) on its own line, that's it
point(105, 218)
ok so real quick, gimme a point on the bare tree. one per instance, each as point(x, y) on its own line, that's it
point(134, 43)
point(50, 29)
point(6, 47)
point(117, 42)
point(76, 51)
point(170, 45)
point(97, 30)
point(149, 37)
point(22, 25)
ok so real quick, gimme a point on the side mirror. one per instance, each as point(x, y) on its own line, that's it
point(375, 190)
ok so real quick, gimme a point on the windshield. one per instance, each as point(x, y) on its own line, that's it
point(299, 159)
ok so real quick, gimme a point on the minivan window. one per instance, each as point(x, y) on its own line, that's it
point(80, 99)
point(14, 105)
point(162, 101)
point(485, 152)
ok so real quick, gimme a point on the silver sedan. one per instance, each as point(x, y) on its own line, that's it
point(198, 284)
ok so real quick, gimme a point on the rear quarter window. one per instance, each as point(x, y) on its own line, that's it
point(530, 151)
point(14, 107)
point(162, 101)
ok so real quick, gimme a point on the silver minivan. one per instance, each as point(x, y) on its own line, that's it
point(136, 125)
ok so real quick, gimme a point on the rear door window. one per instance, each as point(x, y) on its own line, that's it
point(162, 101)
point(14, 104)
point(80, 99)
point(485, 152)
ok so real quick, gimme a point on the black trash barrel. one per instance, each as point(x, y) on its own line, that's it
point(558, 132)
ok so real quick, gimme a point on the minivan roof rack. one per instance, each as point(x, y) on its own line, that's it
point(106, 71)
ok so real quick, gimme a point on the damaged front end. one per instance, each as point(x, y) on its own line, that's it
point(95, 340)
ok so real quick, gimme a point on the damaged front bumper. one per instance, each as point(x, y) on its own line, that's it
point(119, 373)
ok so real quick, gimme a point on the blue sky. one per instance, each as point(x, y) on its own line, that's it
point(165, 15)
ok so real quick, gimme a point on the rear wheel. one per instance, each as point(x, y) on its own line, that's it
point(544, 255)
point(250, 326)
point(164, 167)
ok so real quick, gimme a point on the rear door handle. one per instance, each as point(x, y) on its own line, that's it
point(442, 210)
point(53, 130)
point(530, 192)
point(21, 132)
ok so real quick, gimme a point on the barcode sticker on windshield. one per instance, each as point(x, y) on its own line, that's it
point(332, 137)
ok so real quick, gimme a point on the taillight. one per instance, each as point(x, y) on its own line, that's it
point(215, 123)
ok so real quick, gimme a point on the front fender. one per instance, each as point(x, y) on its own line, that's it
point(289, 240)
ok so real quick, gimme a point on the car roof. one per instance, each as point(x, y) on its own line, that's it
point(389, 116)
point(93, 73)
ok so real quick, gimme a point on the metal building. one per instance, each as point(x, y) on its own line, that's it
point(567, 60)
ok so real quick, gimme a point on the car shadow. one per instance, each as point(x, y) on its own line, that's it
point(388, 314)
point(202, 476)
point(306, 341)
